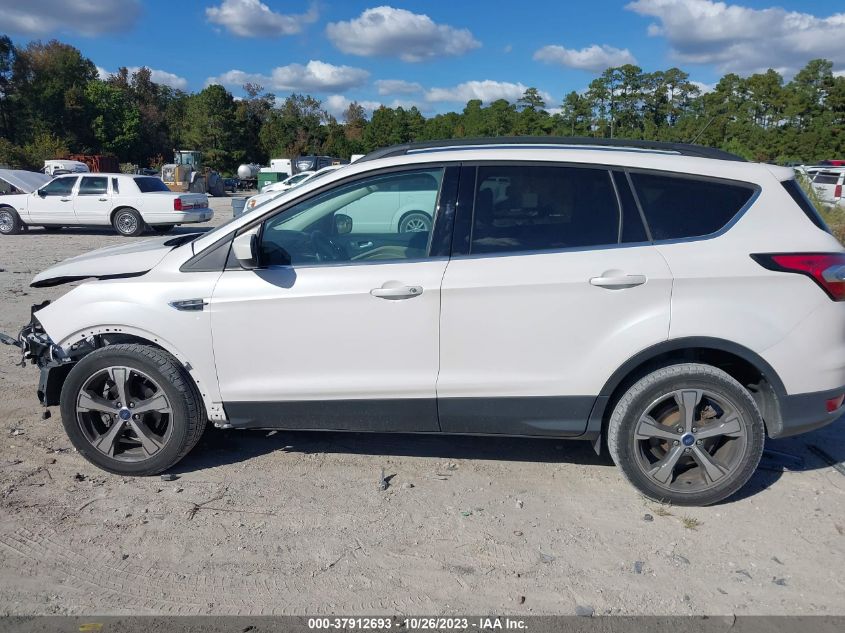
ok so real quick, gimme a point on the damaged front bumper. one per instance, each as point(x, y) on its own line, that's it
point(37, 348)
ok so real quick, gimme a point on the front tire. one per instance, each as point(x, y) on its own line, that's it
point(687, 434)
point(131, 409)
point(128, 222)
point(10, 222)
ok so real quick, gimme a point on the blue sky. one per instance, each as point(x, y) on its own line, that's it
point(433, 54)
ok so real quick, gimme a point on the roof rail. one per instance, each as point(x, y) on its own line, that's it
point(683, 149)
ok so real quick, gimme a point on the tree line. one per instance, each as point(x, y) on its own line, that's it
point(53, 103)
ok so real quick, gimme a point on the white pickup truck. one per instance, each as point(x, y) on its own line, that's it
point(129, 203)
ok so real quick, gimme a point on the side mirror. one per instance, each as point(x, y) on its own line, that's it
point(40, 193)
point(342, 224)
point(245, 249)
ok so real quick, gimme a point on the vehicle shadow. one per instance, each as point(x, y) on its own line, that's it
point(222, 447)
point(107, 230)
point(818, 450)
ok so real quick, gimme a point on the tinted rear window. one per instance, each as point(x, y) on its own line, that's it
point(528, 208)
point(794, 189)
point(148, 184)
point(677, 207)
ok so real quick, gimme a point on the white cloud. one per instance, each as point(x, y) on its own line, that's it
point(315, 76)
point(397, 87)
point(388, 32)
point(703, 87)
point(157, 76)
point(487, 91)
point(86, 17)
point(741, 39)
point(253, 18)
point(337, 104)
point(595, 58)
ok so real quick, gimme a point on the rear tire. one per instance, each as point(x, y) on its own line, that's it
point(10, 222)
point(163, 420)
point(163, 228)
point(128, 222)
point(687, 434)
point(415, 222)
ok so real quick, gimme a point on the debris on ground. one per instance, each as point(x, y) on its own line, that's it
point(584, 611)
point(169, 477)
point(638, 566)
point(648, 518)
point(383, 483)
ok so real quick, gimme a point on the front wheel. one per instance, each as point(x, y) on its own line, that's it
point(10, 222)
point(128, 223)
point(131, 409)
point(686, 434)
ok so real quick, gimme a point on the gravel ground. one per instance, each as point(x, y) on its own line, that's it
point(294, 523)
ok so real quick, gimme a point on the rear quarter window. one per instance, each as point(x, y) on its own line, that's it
point(676, 207)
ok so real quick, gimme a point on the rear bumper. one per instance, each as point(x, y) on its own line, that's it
point(805, 412)
point(180, 217)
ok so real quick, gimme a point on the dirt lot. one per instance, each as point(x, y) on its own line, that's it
point(294, 523)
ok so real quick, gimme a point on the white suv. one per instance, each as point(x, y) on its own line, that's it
point(674, 300)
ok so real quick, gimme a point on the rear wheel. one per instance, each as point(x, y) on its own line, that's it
point(128, 222)
point(686, 434)
point(131, 409)
point(163, 228)
point(10, 222)
point(415, 222)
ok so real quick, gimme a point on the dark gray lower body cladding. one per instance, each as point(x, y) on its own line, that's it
point(554, 416)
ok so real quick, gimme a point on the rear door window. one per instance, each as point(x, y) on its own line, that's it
point(93, 185)
point(678, 207)
point(538, 208)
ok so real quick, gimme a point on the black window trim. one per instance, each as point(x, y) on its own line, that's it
point(194, 265)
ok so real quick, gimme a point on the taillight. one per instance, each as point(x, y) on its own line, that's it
point(177, 204)
point(837, 191)
point(826, 269)
point(835, 403)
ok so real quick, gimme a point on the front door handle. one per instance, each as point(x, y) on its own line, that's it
point(65, 199)
point(616, 280)
point(103, 199)
point(396, 292)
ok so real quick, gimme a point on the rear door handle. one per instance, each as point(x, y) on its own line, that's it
point(65, 199)
point(397, 292)
point(618, 281)
point(103, 199)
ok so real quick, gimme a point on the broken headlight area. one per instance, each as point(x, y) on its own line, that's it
point(34, 343)
point(38, 348)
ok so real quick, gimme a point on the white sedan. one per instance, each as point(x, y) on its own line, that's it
point(267, 195)
point(129, 203)
point(287, 183)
